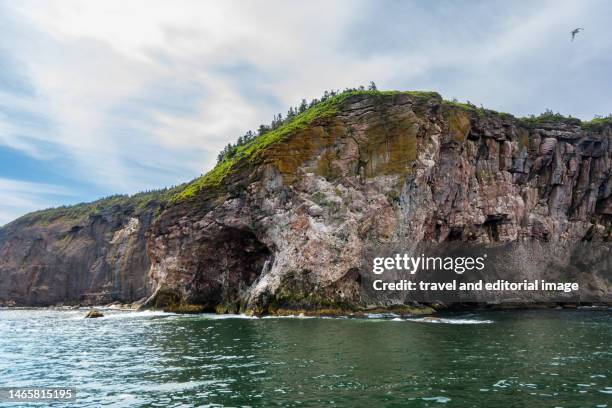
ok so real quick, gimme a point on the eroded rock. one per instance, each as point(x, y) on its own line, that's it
point(94, 314)
point(290, 231)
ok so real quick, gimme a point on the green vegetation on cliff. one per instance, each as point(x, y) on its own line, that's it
point(252, 150)
point(597, 123)
point(549, 117)
point(136, 203)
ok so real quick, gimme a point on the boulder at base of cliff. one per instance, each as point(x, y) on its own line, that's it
point(94, 313)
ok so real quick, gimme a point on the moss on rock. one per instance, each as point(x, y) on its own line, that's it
point(288, 156)
point(459, 124)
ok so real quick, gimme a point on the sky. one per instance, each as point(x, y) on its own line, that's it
point(104, 97)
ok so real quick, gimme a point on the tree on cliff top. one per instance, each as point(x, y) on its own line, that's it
point(230, 150)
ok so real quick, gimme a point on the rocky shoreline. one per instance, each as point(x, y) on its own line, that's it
point(396, 310)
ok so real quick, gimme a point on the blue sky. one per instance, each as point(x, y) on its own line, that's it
point(104, 97)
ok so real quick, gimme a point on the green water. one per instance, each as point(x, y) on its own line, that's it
point(557, 358)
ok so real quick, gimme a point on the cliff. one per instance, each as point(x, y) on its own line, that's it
point(288, 222)
point(86, 254)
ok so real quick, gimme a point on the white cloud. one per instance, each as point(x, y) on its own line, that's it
point(88, 60)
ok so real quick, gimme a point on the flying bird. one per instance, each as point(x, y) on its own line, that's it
point(576, 31)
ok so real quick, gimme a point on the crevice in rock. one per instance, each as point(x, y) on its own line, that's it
point(226, 267)
point(492, 224)
point(455, 234)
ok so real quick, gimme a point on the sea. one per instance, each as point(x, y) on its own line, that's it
point(513, 358)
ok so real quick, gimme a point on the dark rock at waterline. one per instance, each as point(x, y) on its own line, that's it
point(93, 314)
point(569, 306)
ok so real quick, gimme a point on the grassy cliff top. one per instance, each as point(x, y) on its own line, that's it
point(251, 151)
point(136, 203)
point(546, 118)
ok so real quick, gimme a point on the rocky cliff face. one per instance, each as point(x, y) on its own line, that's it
point(289, 224)
point(291, 227)
point(89, 254)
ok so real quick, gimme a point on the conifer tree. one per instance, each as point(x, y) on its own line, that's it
point(303, 106)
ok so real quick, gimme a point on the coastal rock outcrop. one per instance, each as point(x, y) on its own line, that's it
point(94, 314)
point(290, 222)
point(291, 227)
point(88, 254)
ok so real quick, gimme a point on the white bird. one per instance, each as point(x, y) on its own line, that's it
point(576, 31)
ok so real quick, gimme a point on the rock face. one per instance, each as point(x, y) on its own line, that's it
point(94, 314)
point(290, 226)
point(91, 256)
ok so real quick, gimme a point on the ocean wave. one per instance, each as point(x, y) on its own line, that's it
point(122, 314)
point(442, 320)
point(381, 315)
point(298, 316)
point(214, 316)
point(130, 314)
point(440, 400)
point(384, 317)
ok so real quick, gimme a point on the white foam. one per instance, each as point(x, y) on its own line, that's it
point(381, 315)
point(213, 316)
point(441, 400)
point(449, 321)
point(300, 316)
point(125, 314)
point(143, 313)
